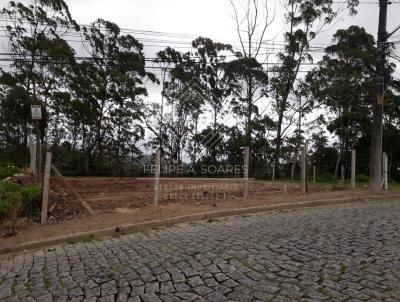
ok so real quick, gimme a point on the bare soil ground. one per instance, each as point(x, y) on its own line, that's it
point(112, 194)
point(119, 201)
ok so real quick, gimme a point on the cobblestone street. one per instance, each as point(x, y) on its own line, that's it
point(347, 253)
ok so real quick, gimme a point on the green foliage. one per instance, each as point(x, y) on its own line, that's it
point(17, 201)
point(325, 178)
point(344, 84)
point(7, 170)
point(362, 178)
point(106, 104)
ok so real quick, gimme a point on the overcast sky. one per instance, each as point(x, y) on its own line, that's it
point(198, 17)
point(208, 18)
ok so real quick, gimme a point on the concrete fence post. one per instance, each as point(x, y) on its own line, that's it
point(246, 172)
point(45, 190)
point(304, 164)
point(157, 177)
point(385, 171)
point(353, 169)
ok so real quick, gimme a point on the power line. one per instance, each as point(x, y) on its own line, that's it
point(104, 64)
point(152, 33)
point(154, 60)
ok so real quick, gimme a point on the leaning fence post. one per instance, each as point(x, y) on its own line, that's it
point(353, 169)
point(246, 172)
point(157, 177)
point(385, 171)
point(304, 185)
point(45, 190)
point(73, 190)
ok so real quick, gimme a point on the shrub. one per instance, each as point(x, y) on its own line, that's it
point(17, 201)
point(336, 187)
point(5, 206)
point(325, 178)
point(7, 170)
point(32, 201)
point(362, 178)
point(136, 170)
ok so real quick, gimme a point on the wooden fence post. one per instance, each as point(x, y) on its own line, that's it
point(304, 164)
point(353, 169)
point(45, 190)
point(246, 172)
point(157, 177)
point(385, 171)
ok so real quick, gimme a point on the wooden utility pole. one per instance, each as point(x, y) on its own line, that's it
point(162, 110)
point(375, 178)
point(36, 117)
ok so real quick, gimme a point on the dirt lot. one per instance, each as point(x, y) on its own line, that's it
point(122, 201)
point(112, 194)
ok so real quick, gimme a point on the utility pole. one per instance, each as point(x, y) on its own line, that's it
point(38, 136)
point(375, 178)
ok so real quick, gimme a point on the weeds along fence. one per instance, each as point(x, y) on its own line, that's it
point(201, 181)
point(187, 179)
point(205, 182)
point(188, 182)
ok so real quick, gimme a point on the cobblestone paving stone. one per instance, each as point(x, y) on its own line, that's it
point(346, 253)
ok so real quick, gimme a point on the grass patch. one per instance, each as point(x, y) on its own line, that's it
point(7, 170)
point(84, 239)
point(13, 290)
point(12, 195)
point(18, 201)
point(394, 185)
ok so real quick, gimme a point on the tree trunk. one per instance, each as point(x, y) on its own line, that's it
point(278, 146)
point(336, 175)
